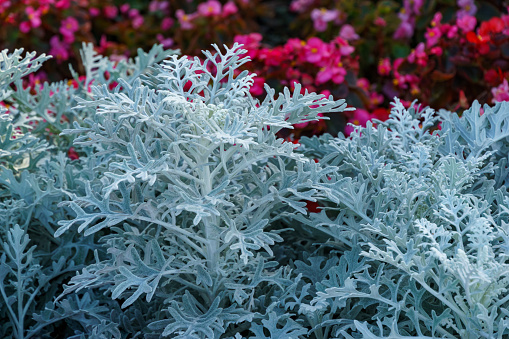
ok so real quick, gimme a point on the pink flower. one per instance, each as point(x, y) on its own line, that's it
point(437, 50)
point(432, 36)
point(251, 42)
point(166, 42)
point(138, 21)
point(300, 6)
point(69, 26)
point(63, 4)
point(375, 99)
point(229, 9)
point(315, 50)
point(468, 7)
point(273, 57)
point(384, 66)
point(293, 45)
point(360, 118)
point(501, 93)
point(363, 83)
point(405, 15)
point(379, 21)
point(344, 48)
point(153, 6)
point(167, 23)
point(437, 18)
point(60, 50)
point(4, 5)
point(418, 55)
point(110, 11)
point(334, 72)
point(185, 20)
point(94, 11)
point(164, 6)
point(24, 26)
point(466, 23)
point(326, 93)
point(397, 63)
point(257, 88)
point(347, 32)
point(33, 16)
point(399, 81)
point(321, 17)
point(133, 12)
point(450, 31)
point(125, 7)
point(414, 5)
point(404, 31)
point(209, 8)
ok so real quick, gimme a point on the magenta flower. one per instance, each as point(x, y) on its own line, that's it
point(315, 50)
point(164, 6)
point(293, 45)
point(414, 5)
point(110, 12)
point(229, 9)
point(153, 6)
point(167, 23)
point(209, 8)
point(335, 72)
point(437, 50)
point(384, 66)
point(418, 55)
point(59, 49)
point(251, 42)
point(450, 31)
point(379, 21)
point(363, 83)
point(344, 48)
point(347, 32)
point(138, 21)
point(133, 12)
point(501, 93)
point(360, 118)
point(161, 6)
point(34, 16)
point(321, 17)
point(185, 20)
point(24, 27)
point(404, 31)
point(257, 88)
point(63, 4)
point(94, 11)
point(69, 27)
point(466, 23)
point(300, 6)
point(468, 7)
point(166, 42)
point(125, 8)
point(437, 18)
point(432, 36)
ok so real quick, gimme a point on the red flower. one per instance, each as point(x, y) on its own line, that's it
point(72, 154)
point(480, 40)
point(313, 206)
point(492, 26)
point(493, 77)
point(381, 114)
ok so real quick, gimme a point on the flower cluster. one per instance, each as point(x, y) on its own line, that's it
point(456, 61)
point(367, 54)
point(314, 63)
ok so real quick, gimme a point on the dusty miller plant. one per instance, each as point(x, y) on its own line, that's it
point(186, 216)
